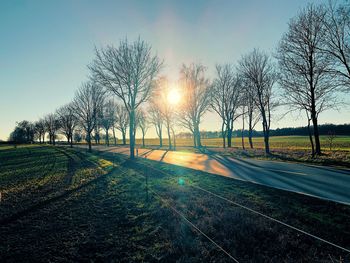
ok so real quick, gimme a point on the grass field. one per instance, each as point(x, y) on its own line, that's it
point(283, 148)
point(276, 142)
point(65, 205)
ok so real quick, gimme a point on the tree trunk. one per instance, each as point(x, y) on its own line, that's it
point(124, 136)
point(267, 145)
point(169, 137)
point(250, 133)
point(160, 138)
point(223, 134)
point(71, 141)
point(131, 134)
point(229, 137)
point(313, 106)
point(107, 138)
point(316, 135)
point(266, 133)
point(96, 134)
point(89, 141)
point(114, 138)
point(251, 138)
point(194, 139)
point(243, 132)
point(197, 136)
point(310, 137)
point(174, 140)
point(143, 139)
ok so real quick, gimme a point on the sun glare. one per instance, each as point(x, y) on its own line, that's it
point(174, 96)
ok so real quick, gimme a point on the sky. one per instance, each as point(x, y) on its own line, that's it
point(45, 46)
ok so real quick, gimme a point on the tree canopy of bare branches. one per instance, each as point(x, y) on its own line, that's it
point(305, 70)
point(196, 98)
point(226, 99)
point(87, 102)
point(143, 123)
point(251, 112)
point(68, 121)
point(108, 118)
point(40, 130)
point(52, 125)
point(166, 111)
point(129, 72)
point(258, 72)
point(122, 121)
point(156, 118)
point(336, 40)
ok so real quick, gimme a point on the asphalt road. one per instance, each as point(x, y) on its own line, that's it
point(322, 182)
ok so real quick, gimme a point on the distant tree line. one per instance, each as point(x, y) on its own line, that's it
point(125, 91)
point(324, 129)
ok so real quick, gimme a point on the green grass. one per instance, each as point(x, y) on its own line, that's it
point(111, 214)
point(340, 143)
point(32, 173)
point(276, 142)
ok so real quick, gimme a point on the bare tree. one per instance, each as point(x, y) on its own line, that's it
point(142, 124)
point(98, 119)
point(251, 111)
point(122, 121)
point(96, 134)
point(40, 130)
point(305, 70)
point(331, 136)
point(113, 107)
point(108, 118)
point(52, 125)
point(174, 135)
point(196, 101)
point(113, 130)
point(243, 108)
point(68, 121)
point(161, 95)
point(337, 39)
point(129, 72)
point(156, 118)
point(257, 70)
point(226, 99)
point(87, 102)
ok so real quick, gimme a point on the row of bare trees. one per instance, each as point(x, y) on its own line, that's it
point(312, 68)
point(88, 112)
point(313, 59)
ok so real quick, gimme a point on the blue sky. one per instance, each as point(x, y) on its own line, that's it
point(46, 45)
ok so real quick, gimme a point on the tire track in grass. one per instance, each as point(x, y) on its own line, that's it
point(21, 188)
point(46, 202)
point(71, 167)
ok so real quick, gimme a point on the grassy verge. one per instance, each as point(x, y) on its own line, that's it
point(118, 218)
point(246, 235)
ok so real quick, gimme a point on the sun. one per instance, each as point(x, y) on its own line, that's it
point(174, 96)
